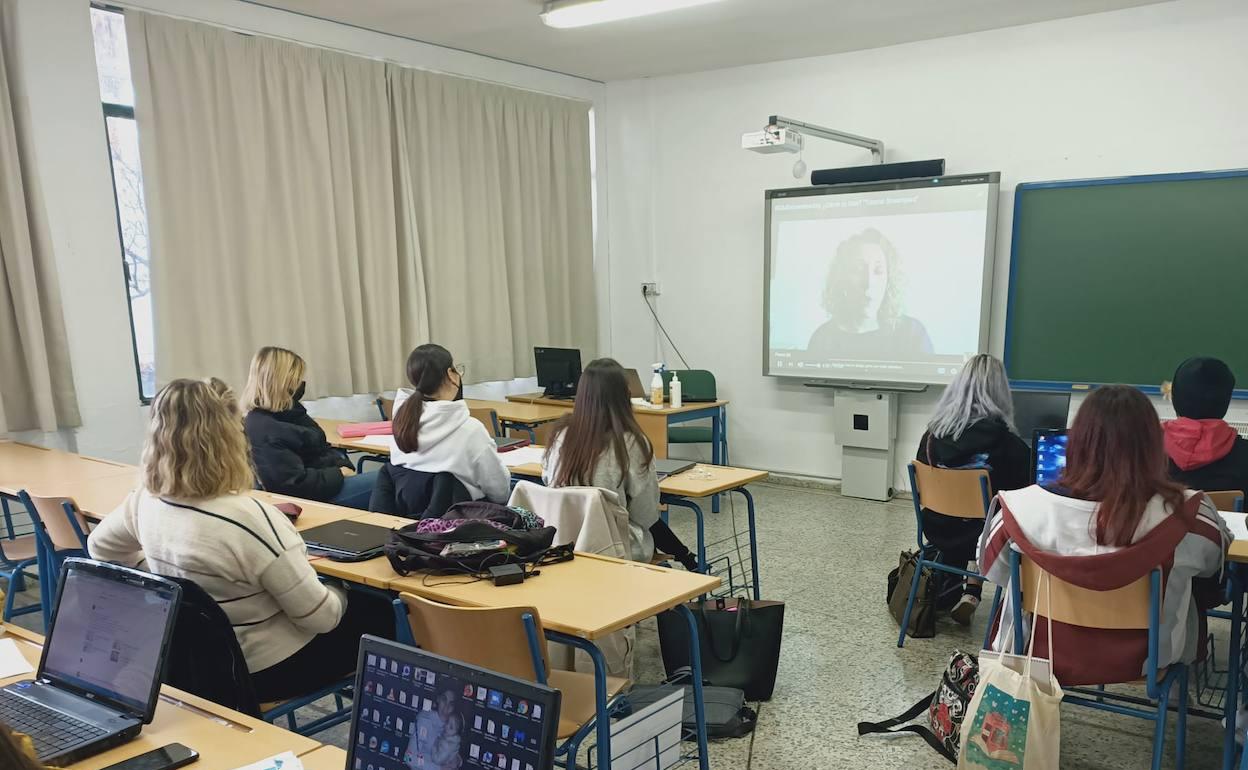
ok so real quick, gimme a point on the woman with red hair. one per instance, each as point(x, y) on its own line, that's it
point(1112, 517)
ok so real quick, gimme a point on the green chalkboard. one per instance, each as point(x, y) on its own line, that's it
point(1119, 280)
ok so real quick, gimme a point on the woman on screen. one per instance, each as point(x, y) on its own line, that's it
point(862, 295)
point(973, 427)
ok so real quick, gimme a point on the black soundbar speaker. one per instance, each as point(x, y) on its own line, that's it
point(881, 172)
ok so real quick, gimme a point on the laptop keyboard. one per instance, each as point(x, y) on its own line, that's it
point(51, 730)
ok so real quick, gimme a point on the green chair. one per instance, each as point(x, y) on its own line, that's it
point(695, 385)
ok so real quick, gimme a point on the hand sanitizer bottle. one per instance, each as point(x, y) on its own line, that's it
point(673, 392)
point(656, 386)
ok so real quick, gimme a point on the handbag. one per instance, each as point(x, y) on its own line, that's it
point(923, 615)
point(1014, 720)
point(739, 643)
point(946, 707)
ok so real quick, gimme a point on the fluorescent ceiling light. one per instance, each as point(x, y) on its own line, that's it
point(565, 15)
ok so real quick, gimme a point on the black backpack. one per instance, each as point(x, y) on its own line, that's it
point(409, 550)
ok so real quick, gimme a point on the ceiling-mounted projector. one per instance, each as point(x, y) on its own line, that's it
point(772, 140)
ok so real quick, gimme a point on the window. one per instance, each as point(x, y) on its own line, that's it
point(117, 94)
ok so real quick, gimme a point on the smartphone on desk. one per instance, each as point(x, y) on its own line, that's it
point(165, 758)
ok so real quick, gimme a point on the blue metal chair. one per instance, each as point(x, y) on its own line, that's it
point(509, 640)
point(60, 532)
point(960, 492)
point(18, 553)
point(1133, 607)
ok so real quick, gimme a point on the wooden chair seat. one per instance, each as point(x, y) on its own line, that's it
point(577, 689)
point(19, 549)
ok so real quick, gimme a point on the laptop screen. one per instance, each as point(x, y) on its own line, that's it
point(417, 711)
point(109, 634)
point(1050, 455)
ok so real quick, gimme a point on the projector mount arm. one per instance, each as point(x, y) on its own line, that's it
point(777, 122)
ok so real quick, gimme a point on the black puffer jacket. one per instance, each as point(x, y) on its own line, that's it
point(292, 456)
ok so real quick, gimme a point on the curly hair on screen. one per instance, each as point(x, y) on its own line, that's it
point(839, 298)
point(196, 448)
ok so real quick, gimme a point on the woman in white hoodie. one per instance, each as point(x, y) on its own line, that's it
point(433, 432)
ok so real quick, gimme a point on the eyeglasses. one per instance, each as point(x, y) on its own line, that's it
point(460, 369)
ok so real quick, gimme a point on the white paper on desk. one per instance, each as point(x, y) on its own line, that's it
point(284, 761)
point(649, 738)
point(1236, 523)
point(12, 661)
point(525, 455)
point(381, 442)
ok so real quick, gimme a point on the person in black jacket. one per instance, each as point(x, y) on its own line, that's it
point(1205, 452)
point(972, 427)
point(288, 448)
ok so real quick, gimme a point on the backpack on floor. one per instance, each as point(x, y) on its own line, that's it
point(946, 708)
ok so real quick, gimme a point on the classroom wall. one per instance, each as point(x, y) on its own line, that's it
point(59, 78)
point(1152, 89)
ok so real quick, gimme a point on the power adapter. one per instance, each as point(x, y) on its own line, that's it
point(507, 574)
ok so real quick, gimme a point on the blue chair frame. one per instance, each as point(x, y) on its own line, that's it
point(925, 548)
point(287, 709)
point(48, 557)
point(1156, 707)
point(13, 570)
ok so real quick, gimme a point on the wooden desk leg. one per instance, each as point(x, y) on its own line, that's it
point(655, 427)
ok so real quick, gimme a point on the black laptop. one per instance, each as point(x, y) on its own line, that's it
point(417, 711)
point(99, 678)
point(346, 540)
point(667, 468)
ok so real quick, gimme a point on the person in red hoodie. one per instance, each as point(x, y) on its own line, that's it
point(1205, 452)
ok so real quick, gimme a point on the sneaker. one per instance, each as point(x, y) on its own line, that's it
point(964, 610)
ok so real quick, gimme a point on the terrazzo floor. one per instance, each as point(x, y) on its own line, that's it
point(827, 556)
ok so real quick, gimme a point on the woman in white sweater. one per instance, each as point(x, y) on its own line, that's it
point(191, 519)
point(434, 433)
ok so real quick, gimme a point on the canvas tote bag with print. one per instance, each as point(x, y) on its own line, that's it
point(1014, 720)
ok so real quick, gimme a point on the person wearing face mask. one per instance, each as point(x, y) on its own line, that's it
point(434, 433)
point(289, 450)
point(863, 299)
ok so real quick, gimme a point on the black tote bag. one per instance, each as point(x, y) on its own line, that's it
point(740, 643)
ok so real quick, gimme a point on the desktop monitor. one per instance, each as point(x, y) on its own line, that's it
point(1048, 456)
point(558, 370)
point(1037, 410)
point(418, 711)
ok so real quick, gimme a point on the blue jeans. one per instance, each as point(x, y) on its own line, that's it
point(356, 490)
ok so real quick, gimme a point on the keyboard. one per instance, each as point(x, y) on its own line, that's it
point(51, 731)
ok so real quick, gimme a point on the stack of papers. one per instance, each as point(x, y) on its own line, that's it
point(1236, 522)
point(381, 442)
point(12, 662)
point(525, 455)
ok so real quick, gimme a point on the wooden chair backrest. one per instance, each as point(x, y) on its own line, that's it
point(487, 417)
point(386, 406)
point(953, 492)
point(1227, 499)
point(52, 513)
point(490, 637)
point(1123, 608)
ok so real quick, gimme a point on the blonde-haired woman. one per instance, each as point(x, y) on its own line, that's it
point(291, 454)
point(191, 519)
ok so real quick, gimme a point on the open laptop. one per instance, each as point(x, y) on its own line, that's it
point(1048, 455)
point(667, 468)
point(99, 678)
point(635, 388)
point(418, 711)
point(1039, 410)
point(346, 540)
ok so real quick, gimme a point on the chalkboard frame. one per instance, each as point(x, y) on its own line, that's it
point(1023, 187)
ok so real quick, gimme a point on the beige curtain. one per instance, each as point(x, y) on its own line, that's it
point(351, 210)
point(36, 381)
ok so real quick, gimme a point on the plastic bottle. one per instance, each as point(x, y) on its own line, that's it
point(656, 386)
point(673, 392)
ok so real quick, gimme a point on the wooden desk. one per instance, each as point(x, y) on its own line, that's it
point(25, 466)
point(524, 414)
point(324, 758)
point(350, 444)
point(588, 597)
point(225, 739)
point(706, 480)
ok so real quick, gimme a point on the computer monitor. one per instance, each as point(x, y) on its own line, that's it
point(418, 711)
point(1048, 455)
point(558, 370)
point(1037, 410)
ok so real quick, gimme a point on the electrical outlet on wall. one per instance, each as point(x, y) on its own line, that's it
point(650, 290)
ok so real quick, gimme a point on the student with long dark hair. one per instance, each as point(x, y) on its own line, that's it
point(1113, 517)
point(601, 445)
point(434, 433)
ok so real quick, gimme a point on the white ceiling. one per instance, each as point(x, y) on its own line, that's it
point(729, 33)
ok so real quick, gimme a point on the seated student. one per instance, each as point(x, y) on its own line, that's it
point(191, 519)
point(434, 433)
point(601, 445)
point(1112, 518)
point(1205, 452)
point(289, 449)
point(972, 427)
